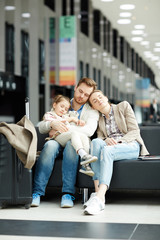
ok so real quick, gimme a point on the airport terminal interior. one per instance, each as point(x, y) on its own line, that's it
point(46, 47)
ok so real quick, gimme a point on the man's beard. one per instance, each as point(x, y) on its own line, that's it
point(79, 100)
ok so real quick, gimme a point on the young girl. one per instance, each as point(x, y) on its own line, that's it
point(60, 111)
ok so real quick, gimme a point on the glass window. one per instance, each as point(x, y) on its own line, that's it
point(64, 7)
point(137, 63)
point(24, 53)
point(132, 59)
point(99, 79)
point(50, 4)
point(41, 61)
point(84, 12)
point(81, 69)
point(87, 70)
point(71, 7)
point(9, 48)
point(122, 49)
point(129, 60)
point(104, 33)
point(115, 41)
point(94, 75)
point(96, 26)
point(108, 36)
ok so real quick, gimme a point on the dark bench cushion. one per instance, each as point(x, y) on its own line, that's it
point(127, 174)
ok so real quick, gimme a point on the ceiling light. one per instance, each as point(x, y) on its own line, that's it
point(137, 39)
point(156, 49)
point(94, 49)
point(121, 77)
point(94, 55)
point(127, 6)
point(137, 32)
point(125, 14)
point(154, 58)
point(104, 54)
point(26, 15)
point(144, 43)
point(124, 21)
point(157, 44)
point(139, 26)
point(9, 8)
point(128, 84)
point(148, 54)
point(114, 66)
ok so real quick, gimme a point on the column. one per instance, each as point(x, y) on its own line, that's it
point(17, 24)
point(33, 61)
point(2, 35)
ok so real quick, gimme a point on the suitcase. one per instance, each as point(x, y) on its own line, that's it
point(15, 180)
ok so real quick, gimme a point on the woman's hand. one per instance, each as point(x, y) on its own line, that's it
point(110, 141)
point(59, 126)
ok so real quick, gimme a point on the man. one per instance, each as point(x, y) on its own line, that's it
point(154, 111)
point(51, 149)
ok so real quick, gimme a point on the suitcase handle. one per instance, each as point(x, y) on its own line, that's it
point(27, 106)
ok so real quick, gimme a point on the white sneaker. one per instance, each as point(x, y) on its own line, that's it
point(88, 159)
point(89, 200)
point(86, 169)
point(96, 206)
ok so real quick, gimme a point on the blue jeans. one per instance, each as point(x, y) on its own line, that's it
point(103, 167)
point(45, 164)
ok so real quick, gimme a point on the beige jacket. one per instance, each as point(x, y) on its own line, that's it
point(23, 137)
point(127, 124)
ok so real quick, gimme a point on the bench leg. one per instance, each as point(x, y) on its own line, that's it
point(85, 195)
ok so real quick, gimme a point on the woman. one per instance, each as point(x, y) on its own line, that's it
point(118, 139)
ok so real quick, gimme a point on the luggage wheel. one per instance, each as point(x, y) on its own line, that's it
point(27, 206)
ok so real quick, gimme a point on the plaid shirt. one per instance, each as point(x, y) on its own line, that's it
point(111, 126)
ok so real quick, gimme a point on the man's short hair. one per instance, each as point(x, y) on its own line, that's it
point(88, 81)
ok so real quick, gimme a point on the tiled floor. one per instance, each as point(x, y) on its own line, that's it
point(135, 216)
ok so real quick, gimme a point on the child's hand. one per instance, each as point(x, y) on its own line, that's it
point(81, 123)
point(51, 133)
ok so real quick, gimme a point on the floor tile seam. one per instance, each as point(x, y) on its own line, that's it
point(133, 232)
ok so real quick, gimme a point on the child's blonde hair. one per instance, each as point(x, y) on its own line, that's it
point(60, 98)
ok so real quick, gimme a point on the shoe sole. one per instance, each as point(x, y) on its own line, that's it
point(66, 206)
point(93, 159)
point(34, 205)
point(85, 206)
point(91, 174)
point(92, 213)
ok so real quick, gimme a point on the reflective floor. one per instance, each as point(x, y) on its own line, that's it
point(126, 216)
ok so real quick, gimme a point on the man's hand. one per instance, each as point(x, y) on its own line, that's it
point(59, 126)
point(110, 141)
